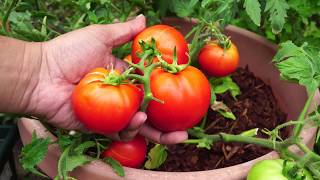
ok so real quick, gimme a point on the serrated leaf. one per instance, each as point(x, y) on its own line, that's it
point(287, 49)
point(184, 8)
point(253, 10)
point(299, 64)
point(115, 165)
point(76, 161)
point(63, 140)
point(156, 157)
point(34, 153)
point(224, 84)
point(68, 162)
point(277, 13)
point(84, 146)
point(62, 164)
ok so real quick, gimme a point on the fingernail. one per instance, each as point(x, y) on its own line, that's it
point(139, 16)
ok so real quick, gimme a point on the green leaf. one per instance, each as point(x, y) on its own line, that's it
point(63, 140)
point(34, 153)
point(253, 10)
point(224, 84)
point(184, 8)
point(115, 165)
point(68, 162)
point(299, 64)
point(277, 13)
point(76, 161)
point(156, 157)
point(213, 95)
point(84, 146)
point(227, 114)
point(62, 164)
point(291, 170)
point(223, 109)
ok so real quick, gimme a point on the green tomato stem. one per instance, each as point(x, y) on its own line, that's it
point(298, 128)
point(204, 121)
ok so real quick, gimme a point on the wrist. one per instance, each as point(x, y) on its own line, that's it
point(19, 69)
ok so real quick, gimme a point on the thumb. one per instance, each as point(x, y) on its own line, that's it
point(121, 33)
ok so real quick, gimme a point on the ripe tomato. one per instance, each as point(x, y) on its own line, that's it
point(186, 97)
point(270, 170)
point(166, 38)
point(130, 154)
point(216, 61)
point(104, 108)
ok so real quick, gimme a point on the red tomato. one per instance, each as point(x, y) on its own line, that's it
point(104, 108)
point(186, 97)
point(130, 154)
point(216, 61)
point(166, 38)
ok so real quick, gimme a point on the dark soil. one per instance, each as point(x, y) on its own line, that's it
point(255, 107)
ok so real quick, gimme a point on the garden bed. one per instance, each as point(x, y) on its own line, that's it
point(255, 107)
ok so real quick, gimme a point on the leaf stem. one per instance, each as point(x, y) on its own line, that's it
point(297, 129)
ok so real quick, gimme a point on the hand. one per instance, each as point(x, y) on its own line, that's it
point(67, 58)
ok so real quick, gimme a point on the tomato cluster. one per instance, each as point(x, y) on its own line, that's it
point(105, 101)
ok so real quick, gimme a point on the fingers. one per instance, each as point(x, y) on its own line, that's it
point(132, 130)
point(121, 33)
point(115, 63)
point(163, 138)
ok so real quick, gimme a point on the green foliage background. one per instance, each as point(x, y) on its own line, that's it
point(277, 20)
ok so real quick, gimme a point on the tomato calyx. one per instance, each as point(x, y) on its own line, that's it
point(150, 51)
point(114, 78)
point(174, 67)
point(222, 40)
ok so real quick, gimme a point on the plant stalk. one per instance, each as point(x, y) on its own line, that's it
point(297, 129)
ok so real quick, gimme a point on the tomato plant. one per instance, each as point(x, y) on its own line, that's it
point(103, 107)
point(185, 96)
point(217, 61)
point(167, 38)
point(130, 154)
point(271, 170)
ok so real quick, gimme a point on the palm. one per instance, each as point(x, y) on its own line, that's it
point(67, 59)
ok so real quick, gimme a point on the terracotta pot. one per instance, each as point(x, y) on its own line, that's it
point(256, 52)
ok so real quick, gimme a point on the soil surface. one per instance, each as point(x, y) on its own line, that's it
point(256, 107)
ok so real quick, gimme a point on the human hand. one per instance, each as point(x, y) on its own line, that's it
point(67, 58)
